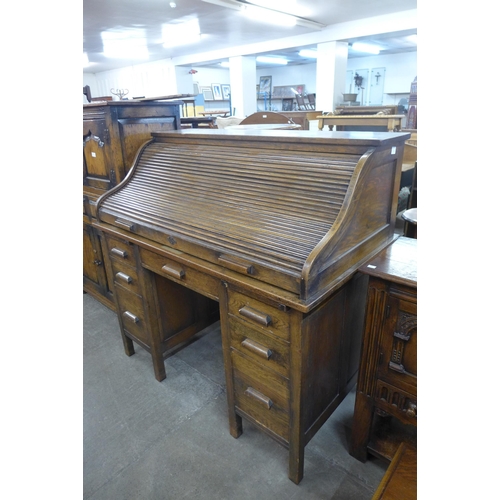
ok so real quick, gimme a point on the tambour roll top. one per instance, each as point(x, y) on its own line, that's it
point(299, 210)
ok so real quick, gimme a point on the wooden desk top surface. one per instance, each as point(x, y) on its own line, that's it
point(265, 126)
point(396, 263)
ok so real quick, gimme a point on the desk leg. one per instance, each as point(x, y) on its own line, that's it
point(320, 124)
point(235, 421)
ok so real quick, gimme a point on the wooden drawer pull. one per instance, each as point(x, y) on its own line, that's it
point(121, 253)
point(259, 397)
point(236, 265)
point(125, 224)
point(123, 277)
point(257, 348)
point(257, 316)
point(172, 271)
point(131, 317)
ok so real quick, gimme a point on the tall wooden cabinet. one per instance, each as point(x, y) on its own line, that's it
point(385, 412)
point(113, 132)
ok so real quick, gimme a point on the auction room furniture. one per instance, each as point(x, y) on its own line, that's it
point(264, 230)
point(113, 131)
point(265, 117)
point(400, 480)
point(387, 384)
point(302, 118)
point(263, 126)
point(391, 122)
point(198, 121)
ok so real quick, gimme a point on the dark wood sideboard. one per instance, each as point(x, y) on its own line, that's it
point(385, 411)
point(264, 230)
point(113, 132)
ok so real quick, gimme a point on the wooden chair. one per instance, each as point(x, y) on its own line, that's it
point(265, 117)
point(312, 100)
point(301, 104)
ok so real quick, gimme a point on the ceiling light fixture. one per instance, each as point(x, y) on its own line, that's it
point(265, 13)
point(365, 47)
point(311, 54)
point(271, 60)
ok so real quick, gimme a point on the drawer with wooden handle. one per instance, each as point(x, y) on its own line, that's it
point(131, 311)
point(121, 251)
point(260, 315)
point(164, 266)
point(269, 351)
point(261, 394)
point(126, 276)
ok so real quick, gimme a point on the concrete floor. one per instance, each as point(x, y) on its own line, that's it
point(146, 440)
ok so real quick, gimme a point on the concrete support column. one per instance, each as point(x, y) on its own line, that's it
point(242, 78)
point(331, 67)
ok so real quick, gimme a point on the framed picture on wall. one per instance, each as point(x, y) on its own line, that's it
point(265, 85)
point(226, 91)
point(217, 91)
point(207, 93)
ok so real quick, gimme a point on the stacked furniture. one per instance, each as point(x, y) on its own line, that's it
point(113, 131)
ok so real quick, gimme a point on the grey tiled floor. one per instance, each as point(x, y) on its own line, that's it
point(146, 440)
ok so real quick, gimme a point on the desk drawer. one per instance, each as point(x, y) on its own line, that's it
point(121, 251)
point(262, 394)
point(180, 273)
point(126, 277)
point(269, 351)
point(131, 311)
point(260, 315)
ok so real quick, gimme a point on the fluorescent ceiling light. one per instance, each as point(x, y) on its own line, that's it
point(182, 33)
point(312, 54)
point(125, 44)
point(265, 13)
point(269, 16)
point(365, 47)
point(271, 60)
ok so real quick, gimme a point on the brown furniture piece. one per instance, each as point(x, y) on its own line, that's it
point(198, 121)
point(386, 393)
point(311, 98)
point(301, 118)
point(391, 122)
point(272, 226)
point(410, 218)
point(400, 480)
point(262, 126)
point(113, 131)
point(265, 117)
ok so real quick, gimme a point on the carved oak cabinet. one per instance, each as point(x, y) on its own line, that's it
point(113, 132)
point(387, 383)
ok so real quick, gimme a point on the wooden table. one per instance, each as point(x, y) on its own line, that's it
point(392, 122)
point(265, 126)
point(400, 480)
point(196, 121)
point(217, 112)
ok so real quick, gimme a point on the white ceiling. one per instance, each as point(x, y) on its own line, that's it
point(222, 27)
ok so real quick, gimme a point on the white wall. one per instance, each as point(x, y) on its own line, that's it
point(161, 78)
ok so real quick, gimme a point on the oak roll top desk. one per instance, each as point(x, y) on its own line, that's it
point(264, 230)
